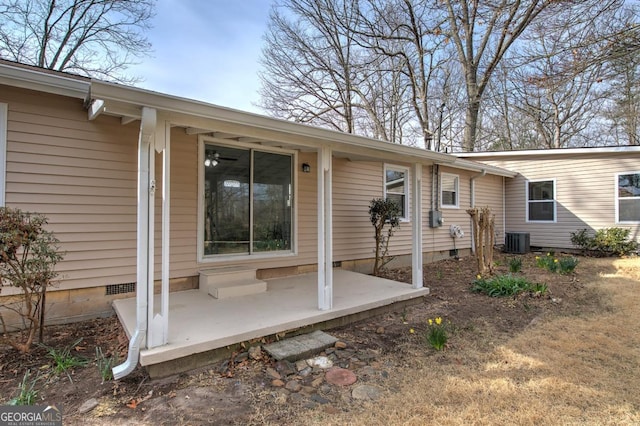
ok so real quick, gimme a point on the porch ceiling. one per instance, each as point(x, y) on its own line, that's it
point(200, 323)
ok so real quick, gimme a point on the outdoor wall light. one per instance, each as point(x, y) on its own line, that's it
point(306, 168)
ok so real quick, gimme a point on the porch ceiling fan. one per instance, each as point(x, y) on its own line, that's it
point(214, 158)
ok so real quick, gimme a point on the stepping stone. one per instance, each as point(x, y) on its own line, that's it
point(340, 376)
point(300, 347)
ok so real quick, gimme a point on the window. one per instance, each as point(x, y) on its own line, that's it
point(628, 196)
point(541, 203)
point(395, 188)
point(247, 201)
point(449, 186)
point(3, 151)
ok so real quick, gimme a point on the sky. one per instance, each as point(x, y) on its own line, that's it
point(206, 50)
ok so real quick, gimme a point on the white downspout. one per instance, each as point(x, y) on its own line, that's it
point(147, 131)
point(472, 183)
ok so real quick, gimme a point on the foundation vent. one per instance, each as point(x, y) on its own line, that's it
point(120, 288)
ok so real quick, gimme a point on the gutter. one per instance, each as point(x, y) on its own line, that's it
point(144, 243)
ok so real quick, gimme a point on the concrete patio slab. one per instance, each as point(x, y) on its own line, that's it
point(199, 323)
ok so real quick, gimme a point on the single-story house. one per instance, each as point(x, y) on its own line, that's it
point(560, 191)
point(205, 226)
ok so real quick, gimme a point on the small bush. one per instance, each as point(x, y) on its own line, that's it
point(605, 242)
point(515, 264)
point(28, 255)
point(383, 212)
point(501, 285)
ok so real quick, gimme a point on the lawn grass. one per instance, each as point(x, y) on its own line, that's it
point(566, 369)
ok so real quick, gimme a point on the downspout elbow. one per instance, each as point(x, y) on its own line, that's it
point(124, 369)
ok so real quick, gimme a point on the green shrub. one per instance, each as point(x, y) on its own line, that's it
point(501, 285)
point(383, 212)
point(28, 255)
point(605, 242)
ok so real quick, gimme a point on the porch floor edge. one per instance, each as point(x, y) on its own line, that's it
point(199, 325)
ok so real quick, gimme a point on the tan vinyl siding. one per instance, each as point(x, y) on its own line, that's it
point(355, 184)
point(82, 175)
point(490, 193)
point(585, 193)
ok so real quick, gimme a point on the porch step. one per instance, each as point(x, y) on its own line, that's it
point(230, 281)
point(300, 347)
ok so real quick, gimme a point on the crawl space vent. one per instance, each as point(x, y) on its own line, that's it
point(121, 288)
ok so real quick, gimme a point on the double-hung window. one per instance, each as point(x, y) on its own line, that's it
point(247, 203)
point(541, 201)
point(396, 187)
point(628, 197)
point(449, 190)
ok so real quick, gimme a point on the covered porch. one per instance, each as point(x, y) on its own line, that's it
point(201, 323)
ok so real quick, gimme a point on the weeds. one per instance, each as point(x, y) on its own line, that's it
point(502, 285)
point(63, 361)
point(515, 264)
point(105, 364)
point(27, 394)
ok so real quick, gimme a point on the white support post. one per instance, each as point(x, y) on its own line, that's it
point(325, 228)
point(416, 227)
point(159, 321)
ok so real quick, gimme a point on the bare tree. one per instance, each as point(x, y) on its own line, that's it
point(99, 38)
point(309, 63)
point(483, 32)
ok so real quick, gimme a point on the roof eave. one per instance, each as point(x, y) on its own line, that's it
point(132, 99)
point(49, 83)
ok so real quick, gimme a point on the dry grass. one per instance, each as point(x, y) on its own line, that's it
point(578, 369)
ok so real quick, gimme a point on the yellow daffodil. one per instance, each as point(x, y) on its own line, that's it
point(555, 260)
point(430, 321)
point(411, 330)
point(438, 320)
point(479, 277)
point(537, 257)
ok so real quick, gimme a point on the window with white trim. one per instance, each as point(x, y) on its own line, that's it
point(449, 190)
point(247, 205)
point(396, 187)
point(4, 112)
point(541, 201)
point(628, 197)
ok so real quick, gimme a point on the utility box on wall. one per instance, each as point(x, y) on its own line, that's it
point(435, 218)
point(516, 242)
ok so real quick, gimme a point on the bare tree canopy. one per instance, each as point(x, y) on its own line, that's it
point(98, 38)
point(483, 75)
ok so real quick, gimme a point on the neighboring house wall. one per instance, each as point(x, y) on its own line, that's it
point(585, 196)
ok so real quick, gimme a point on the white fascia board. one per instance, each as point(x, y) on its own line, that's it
point(549, 152)
point(136, 97)
point(43, 81)
point(477, 166)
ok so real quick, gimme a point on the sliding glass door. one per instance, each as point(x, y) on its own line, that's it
point(247, 201)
